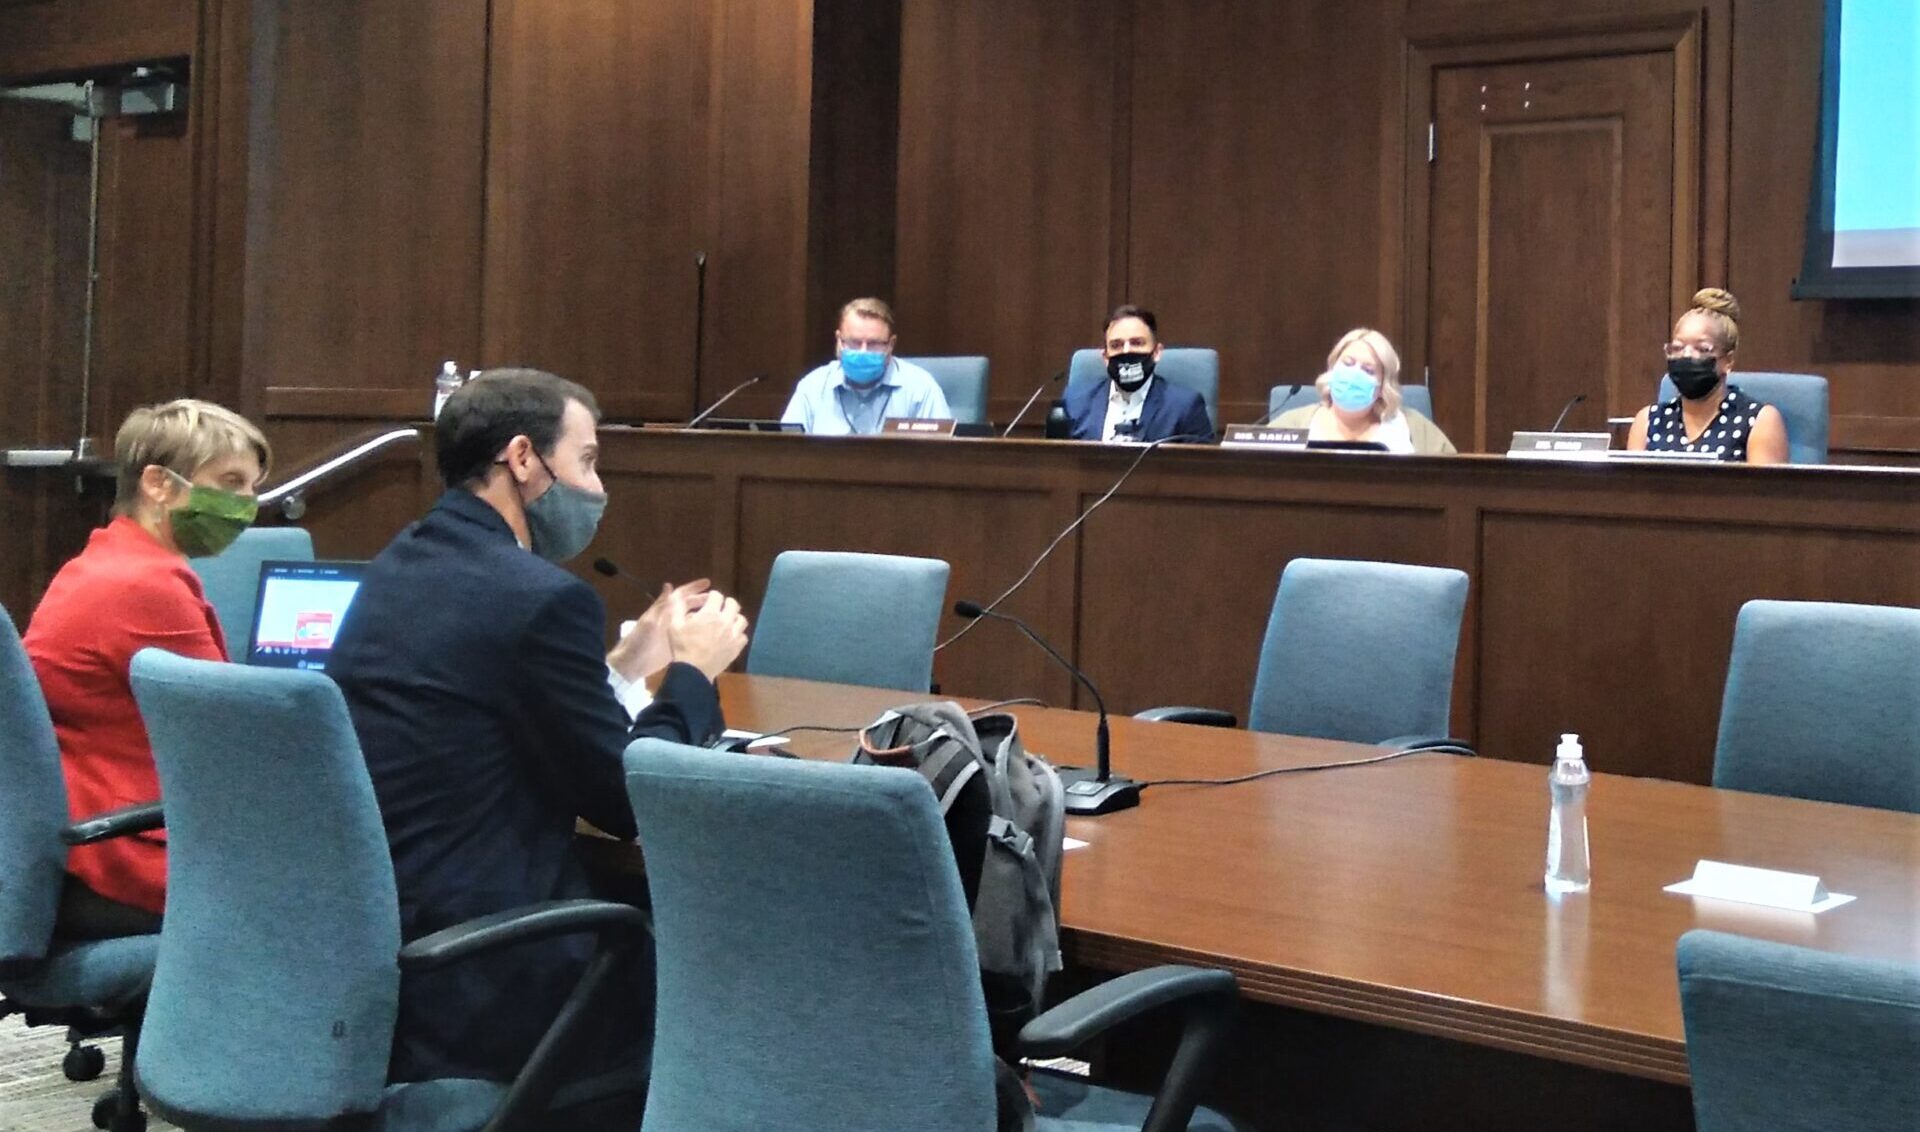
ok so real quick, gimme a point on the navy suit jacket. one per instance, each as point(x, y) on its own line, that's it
point(1170, 410)
point(476, 676)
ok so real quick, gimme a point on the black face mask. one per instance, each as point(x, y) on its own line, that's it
point(1694, 377)
point(1130, 371)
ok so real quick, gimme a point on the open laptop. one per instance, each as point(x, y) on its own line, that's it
point(298, 612)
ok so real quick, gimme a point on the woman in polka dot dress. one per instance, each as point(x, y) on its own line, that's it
point(1709, 415)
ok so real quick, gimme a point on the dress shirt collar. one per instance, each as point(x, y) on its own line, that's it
point(889, 379)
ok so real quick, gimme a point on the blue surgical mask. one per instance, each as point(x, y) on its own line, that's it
point(1353, 389)
point(863, 367)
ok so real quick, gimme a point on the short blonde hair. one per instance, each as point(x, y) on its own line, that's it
point(868, 308)
point(1722, 312)
point(181, 436)
point(1389, 368)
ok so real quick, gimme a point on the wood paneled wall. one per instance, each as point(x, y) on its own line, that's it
point(363, 207)
point(1242, 166)
point(373, 187)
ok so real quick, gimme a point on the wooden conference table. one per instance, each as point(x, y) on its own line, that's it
point(1408, 894)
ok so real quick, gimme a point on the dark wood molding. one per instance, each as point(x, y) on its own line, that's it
point(285, 401)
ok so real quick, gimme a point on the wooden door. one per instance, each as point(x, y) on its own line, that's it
point(1551, 252)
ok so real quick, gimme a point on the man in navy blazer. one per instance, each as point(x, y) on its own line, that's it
point(1134, 403)
point(491, 719)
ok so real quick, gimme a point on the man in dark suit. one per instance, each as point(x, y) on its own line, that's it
point(491, 719)
point(1134, 403)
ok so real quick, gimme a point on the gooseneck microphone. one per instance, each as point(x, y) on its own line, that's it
point(1282, 406)
point(1562, 418)
point(724, 398)
point(1037, 391)
point(1087, 794)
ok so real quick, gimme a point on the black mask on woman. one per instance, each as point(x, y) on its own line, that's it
point(1130, 371)
point(1694, 377)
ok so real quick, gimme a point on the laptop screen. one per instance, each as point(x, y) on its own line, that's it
point(300, 610)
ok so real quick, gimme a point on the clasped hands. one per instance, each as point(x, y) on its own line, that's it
point(692, 623)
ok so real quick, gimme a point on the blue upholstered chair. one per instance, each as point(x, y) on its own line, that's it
point(964, 382)
point(1196, 368)
point(1794, 1040)
point(1801, 399)
point(817, 967)
point(1823, 702)
point(1282, 398)
point(277, 983)
point(850, 619)
point(232, 578)
point(1357, 651)
point(88, 987)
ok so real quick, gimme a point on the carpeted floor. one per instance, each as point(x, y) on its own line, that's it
point(34, 1095)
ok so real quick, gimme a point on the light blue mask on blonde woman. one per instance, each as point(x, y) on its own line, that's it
point(1352, 389)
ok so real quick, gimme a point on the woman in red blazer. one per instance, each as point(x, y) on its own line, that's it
point(188, 471)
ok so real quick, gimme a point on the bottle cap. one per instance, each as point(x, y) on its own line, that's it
point(1570, 748)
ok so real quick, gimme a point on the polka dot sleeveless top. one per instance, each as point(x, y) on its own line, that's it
point(1726, 437)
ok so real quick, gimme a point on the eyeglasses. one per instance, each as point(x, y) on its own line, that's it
point(866, 345)
point(1690, 350)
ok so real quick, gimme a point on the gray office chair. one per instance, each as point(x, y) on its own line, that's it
point(1823, 702)
point(278, 978)
point(232, 578)
point(1795, 1040)
point(1196, 368)
point(849, 618)
point(1285, 398)
point(817, 965)
point(963, 380)
point(1801, 399)
point(1356, 651)
point(89, 987)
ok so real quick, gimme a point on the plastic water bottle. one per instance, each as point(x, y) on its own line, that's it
point(444, 384)
point(1567, 865)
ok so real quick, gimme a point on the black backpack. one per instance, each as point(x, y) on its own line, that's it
point(1006, 819)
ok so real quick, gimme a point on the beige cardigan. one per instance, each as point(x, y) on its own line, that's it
point(1428, 440)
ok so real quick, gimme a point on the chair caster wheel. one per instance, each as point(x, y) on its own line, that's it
point(106, 1115)
point(83, 1063)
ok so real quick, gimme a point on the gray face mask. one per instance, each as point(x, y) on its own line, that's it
point(564, 519)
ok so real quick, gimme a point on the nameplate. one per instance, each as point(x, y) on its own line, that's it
point(910, 426)
point(1263, 436)
point(1560, 445)
point(1767, 888)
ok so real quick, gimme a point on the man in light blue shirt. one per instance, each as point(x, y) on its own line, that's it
point(866, 384)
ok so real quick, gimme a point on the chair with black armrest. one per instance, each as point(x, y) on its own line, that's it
point(1791, 1039)
point(277, 983)
point(963, 381)
point(1388, 628)
point(817, 970)
point(846, 618)
point(1823, 702)
point(231, 578)
point(95, 987)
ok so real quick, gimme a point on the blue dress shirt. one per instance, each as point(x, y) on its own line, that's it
point(825, 405)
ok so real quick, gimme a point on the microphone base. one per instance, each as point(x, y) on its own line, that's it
point(1088, 795)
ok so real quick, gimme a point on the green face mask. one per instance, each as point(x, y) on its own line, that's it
point(210, 519)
